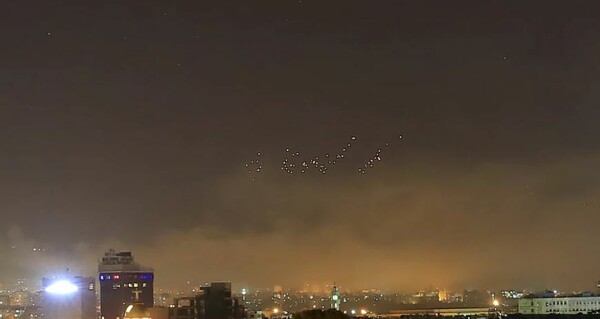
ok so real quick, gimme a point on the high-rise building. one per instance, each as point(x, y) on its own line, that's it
point(213, 302)
point(69, 298)
point(120, 276)
point(217, 301)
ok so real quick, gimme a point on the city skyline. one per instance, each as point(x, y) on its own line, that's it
point(56, 269)
point(456, 141)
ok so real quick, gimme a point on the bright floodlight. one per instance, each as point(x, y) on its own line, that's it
point(61, 287)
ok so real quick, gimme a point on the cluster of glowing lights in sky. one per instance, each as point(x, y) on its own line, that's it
point(291, 163)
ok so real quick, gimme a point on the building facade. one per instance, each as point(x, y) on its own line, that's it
point(69, 298)
point(213, 302)
point(570, 305)
point(121, 278)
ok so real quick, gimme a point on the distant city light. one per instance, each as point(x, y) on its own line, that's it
point(61, 287)
point(496, 303)
point(353, 311)
point(275, 311)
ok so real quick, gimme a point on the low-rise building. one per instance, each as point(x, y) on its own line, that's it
point(550, 304)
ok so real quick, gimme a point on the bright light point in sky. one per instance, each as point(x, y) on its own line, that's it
point(61, 287)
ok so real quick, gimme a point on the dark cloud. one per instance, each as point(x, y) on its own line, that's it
point(128, 125)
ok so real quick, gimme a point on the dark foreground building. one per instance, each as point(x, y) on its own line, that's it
point(121, 279)
point(213, 302)
point(69, 298)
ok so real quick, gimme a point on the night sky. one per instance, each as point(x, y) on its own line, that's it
point(128, 124)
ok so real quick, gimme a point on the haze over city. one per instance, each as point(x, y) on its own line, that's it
point(464, 133)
